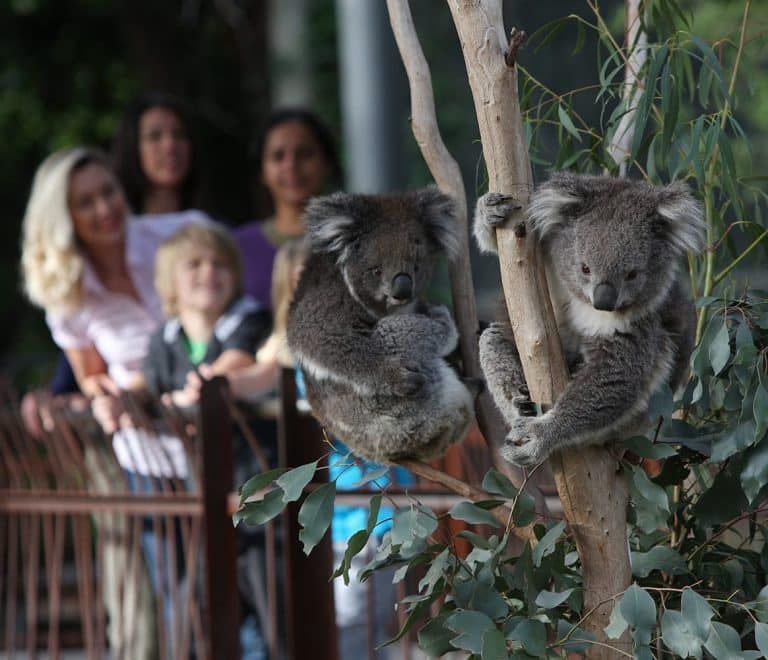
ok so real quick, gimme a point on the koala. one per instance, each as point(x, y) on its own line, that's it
point(371, 350)
point(612, 249)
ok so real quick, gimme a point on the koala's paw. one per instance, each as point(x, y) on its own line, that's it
point(492, 211)
point(409, 380)
point(447, 328)
point(523, 446)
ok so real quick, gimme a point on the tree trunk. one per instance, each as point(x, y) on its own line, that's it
point(593, 493)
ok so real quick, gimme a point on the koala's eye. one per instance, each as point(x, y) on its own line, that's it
point(631, 275)
point(585, 269)
point(376, 271)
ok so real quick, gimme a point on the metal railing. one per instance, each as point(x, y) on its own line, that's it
point(75, 535)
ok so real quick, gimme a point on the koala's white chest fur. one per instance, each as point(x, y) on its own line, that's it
point(577, 319)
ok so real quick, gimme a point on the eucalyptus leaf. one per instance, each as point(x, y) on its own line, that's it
point(471, 627)
point(315, 515)
point(494, 646)
point(532, 635)
point(546, 544)
point(260, 511)
point(661, 558)
point(639, 611)
point(551, 599)
point(697, 614)
point(294, 481)
point(720, 349)
point(761, 637)
point(471, 513)
point(259, 482)
point(677, 637)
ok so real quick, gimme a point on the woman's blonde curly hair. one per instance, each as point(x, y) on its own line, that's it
point(51, 263)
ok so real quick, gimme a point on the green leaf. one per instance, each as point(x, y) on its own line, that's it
point(661, 558)
point(471, 513)
point(259, 482)
point(437, 570)
point(697, 614)
point(261, 511)
point(643, 447)
point(471, 627)
point(760, 605)
point(649, 490)
point(496, 483)
point(547, 543)
point(724, 643)
point(494, 646)
point(676, 636)
point(434, 638)
point(616, 624)
point(549, 600)
point(372, 475)
point(293, 482)
point(646, 100)
point(755, 473)
point(373, 513)
point(567, 123)
point(355, 544)
point(760, 410)
point(315, 515)
point(720, 349)
point(639, 611)
point(413, 522)
point(532, 635)
point(733, 441)
point(761, 637)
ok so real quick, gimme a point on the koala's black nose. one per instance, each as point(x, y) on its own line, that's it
point(605, 296)
point(402, 287)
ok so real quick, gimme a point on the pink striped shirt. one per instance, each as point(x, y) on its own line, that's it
point(116, 325)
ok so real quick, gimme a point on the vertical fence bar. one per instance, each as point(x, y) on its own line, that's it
point(223, 605)
point(310, 631)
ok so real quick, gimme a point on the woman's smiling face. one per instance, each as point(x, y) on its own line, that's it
point(97, 206)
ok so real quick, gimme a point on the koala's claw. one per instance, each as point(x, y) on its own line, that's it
point(522, 402)
point(497, 207)
point(522, 446)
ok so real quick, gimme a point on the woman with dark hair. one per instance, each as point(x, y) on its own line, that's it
point(154, 157)
point(297, 159)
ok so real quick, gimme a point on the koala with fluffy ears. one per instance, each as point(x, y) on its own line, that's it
point(372, 351)
point(612, 250)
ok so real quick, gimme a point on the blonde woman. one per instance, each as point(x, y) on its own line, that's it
point(91, 269)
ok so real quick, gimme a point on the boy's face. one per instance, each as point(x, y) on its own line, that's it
point(203, 281)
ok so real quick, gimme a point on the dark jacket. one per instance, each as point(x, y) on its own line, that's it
point(244, 326)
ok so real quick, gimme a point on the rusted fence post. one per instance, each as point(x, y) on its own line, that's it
point(222, 600)
point(309, 607)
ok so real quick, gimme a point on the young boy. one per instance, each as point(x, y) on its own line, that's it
point(198, 279)
point(213, 328)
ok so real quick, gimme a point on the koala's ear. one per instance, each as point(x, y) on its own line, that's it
point(330, 222)
point(438, 212)
point(555, 202)
point(682, 218)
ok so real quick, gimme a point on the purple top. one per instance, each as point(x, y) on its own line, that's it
point(258, 256)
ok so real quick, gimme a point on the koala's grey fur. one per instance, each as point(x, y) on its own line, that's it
point(371, 350)
point(615, 244)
